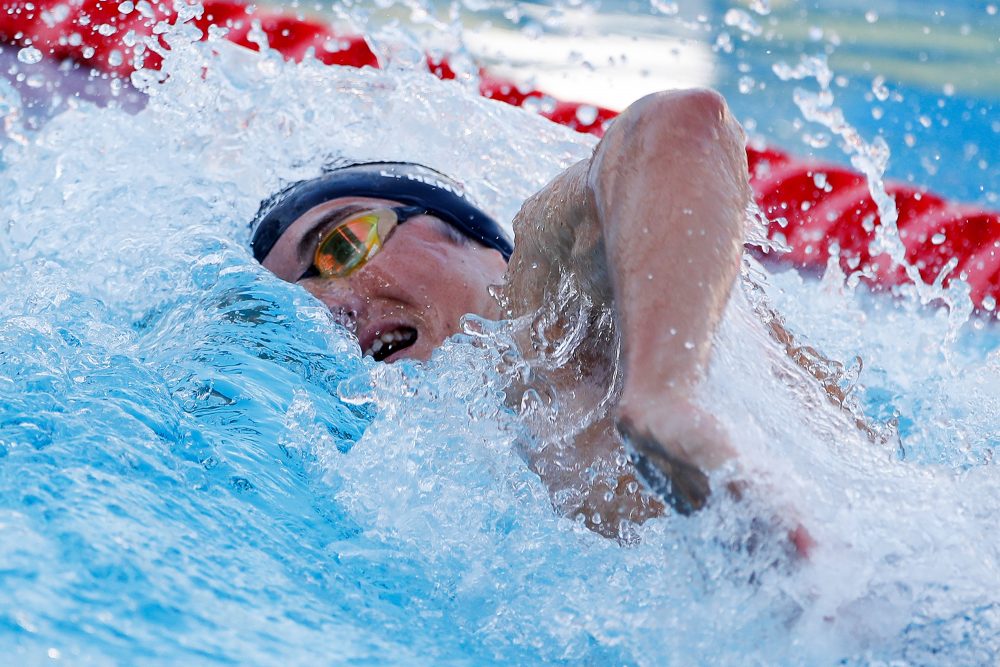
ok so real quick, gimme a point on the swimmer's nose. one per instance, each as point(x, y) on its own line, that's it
point(346, 305)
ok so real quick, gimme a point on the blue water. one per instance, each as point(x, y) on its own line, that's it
point(197, 466)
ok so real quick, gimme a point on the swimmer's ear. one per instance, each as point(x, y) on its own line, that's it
point(682, 485)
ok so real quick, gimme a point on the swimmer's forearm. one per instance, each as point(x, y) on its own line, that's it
point(670, 186)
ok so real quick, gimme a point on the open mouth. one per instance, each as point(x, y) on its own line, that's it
point(389, 342)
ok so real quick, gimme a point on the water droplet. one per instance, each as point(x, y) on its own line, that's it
point(29, 55)
point(819, 178)
point(938, 238)
point(818, 140)
point(586, 114)
point(145, 9)
point(925, 121)
point(688, 345)
point(989, 303)
point(106, 29)
point(724, 43)
point(664, 7)
point(746, 84)
point(948, 89)
point(871, 16)
point(737, 18)
point(879, 88)
point(762, 7)
point(991, 10)
point(126, 7)
point(115, 58)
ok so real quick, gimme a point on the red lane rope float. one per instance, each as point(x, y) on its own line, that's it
point(812, 205)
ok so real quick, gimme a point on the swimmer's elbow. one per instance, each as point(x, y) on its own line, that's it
point(683, 114)
point(705, 102)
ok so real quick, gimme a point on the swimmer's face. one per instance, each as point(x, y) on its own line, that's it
point(411, 295)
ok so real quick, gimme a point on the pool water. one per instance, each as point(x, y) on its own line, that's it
point(196, 464)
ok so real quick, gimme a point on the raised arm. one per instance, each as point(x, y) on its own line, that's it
point(671, 191)
point(651, 227)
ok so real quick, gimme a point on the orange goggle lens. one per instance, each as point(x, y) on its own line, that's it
point(346, 247)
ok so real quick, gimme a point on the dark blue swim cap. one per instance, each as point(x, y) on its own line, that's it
point(410, 184)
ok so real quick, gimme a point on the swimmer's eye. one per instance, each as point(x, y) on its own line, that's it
point(351, 244)
point(348, 246)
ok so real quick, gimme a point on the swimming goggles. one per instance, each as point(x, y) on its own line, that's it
point(406, 183)
point(351, 243)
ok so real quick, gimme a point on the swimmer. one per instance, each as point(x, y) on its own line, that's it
point(651, 228)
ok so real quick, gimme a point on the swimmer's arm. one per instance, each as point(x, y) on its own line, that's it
point(664, 195)
point(671, 163)
point(670, 188)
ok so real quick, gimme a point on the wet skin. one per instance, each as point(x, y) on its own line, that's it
point(664, 195)
point(421, 279)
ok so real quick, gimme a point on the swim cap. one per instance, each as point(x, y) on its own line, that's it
point(407, 183)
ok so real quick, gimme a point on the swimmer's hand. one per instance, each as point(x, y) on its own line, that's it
point(673, 447)
point(673, 444)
